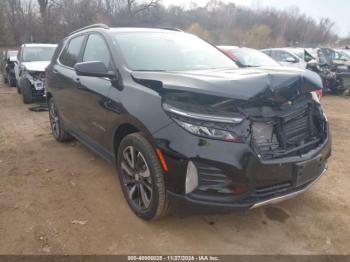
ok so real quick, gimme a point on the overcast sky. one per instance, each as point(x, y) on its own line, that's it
point(337, 10)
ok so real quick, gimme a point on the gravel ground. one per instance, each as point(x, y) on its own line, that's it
point(63, 199)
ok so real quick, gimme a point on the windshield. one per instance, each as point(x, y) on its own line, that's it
point(253, 58)
point(328, 55)
point(297, 52)
point(38, 53)
point(312, 52)
point(346, 52)
point(340, 55)
point(170, 52)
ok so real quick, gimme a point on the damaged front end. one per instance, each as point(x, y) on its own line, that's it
point(36, 80)
point(241, 138)
point(293, 128)
point(333, 69)
point(272, 129)
point(276, 112)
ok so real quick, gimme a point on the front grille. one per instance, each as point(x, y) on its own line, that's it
point(292, 133)
point(272, 190)
point(296, 129)
point(38, 76)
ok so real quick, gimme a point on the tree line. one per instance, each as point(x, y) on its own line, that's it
point(48, 21)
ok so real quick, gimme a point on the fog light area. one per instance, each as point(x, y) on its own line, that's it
point(191, 177)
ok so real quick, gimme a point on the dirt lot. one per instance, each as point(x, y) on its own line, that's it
point(62, 199)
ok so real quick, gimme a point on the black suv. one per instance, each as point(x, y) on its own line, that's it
point(183, 124)
point(9, 59)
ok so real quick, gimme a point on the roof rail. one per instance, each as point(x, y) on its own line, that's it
point(90, 26)
point(172, 29)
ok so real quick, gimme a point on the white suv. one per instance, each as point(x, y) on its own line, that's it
point(30, 70)
point(287, 56)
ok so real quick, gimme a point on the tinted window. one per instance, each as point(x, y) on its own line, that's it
point(97, 50)
point(38, 53)
point(70, 55)
point(170, 52)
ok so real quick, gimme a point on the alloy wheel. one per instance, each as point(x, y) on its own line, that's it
point(136, 178)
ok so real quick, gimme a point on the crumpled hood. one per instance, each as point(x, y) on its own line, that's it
point(242, 84)
point(36, 66)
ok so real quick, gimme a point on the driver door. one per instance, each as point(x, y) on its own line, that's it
point(92, 93)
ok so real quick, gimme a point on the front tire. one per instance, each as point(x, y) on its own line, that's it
point(5, 78)
point(27, 93)
point(141, 177)
point(18, 88)
point(59, 133)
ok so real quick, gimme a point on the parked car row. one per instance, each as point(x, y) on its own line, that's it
point(248, 57)
point(332, 65)
point(185, 125)
point(25, 69)
point(9, 57)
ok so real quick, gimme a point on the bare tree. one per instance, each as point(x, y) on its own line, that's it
point(222, 23)
point(134, 8)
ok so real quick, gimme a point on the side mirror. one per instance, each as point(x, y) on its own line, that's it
point(290, 60)
point(94, 69)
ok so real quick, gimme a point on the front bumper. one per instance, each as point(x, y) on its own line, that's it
point(37, 87)
point(186, 203)
point(224, 165)
point(287, 196)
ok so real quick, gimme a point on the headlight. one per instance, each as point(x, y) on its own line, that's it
point(27, 73)
point(205, 125)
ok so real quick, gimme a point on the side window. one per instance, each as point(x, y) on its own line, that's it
point(70, 55)
point(96, 50)
point(276, 55)
point(285, 56)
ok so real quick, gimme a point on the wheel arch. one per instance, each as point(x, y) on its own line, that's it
point(127, 128)
point(48, 97)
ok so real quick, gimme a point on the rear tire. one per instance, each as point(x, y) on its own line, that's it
point(11, 81)
point(59, 133)
point(5, 78)
point(142, 182)
point(18, 88)
point(27, 95)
